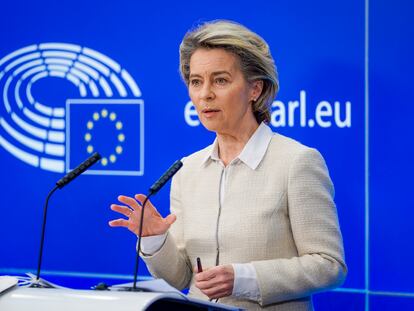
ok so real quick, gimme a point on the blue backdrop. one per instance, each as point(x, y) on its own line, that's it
point(84, 76)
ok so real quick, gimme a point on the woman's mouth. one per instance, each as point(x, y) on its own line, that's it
point(209, 112)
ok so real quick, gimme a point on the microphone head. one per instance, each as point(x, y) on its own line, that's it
point(78, 170)
point(166, 177)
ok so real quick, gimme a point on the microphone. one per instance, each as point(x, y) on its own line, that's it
point(153, 190)
point(78, 170)
point(165, 177)
point(59, 185)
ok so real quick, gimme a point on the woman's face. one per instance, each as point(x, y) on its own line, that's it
point(219, 91)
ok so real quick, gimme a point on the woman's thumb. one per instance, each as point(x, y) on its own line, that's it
point(170, 219)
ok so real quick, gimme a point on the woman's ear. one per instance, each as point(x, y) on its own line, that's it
point(256, 90)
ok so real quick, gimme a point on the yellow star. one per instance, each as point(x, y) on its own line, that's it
point(112, 158)
point(121, 137)
point(88, 137)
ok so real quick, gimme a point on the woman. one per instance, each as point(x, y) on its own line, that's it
point(255, 206)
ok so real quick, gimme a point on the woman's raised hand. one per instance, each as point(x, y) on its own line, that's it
point(154, 223)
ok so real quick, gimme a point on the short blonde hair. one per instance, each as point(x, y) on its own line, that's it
point(256, 62)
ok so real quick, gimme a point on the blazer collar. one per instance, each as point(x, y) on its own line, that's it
point(252, 153)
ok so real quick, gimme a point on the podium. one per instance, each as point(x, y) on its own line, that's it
point(17, 298)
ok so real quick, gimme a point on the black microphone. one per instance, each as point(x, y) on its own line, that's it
point(165, 177)
point(79, 170)
point(59, 185)
point(153, 190)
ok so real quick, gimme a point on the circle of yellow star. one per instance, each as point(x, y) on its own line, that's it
point(96, 116)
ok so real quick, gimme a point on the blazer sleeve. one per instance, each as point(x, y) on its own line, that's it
point(320, 264)
point(171, 262)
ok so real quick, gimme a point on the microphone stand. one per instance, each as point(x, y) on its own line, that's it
point(153, 190)
point(37, 282)
point(59, 185)
point(134, 287)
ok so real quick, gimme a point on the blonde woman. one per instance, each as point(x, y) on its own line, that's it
point(255, 206)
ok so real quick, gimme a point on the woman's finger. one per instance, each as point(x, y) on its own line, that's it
point(209, 284)
point(119, 223)
point(121, 209)
point(207, 274)
point(131, 202)
point(204, 285)
point(219, 290)
point(170, 219)
point(141, 198)
point(214, 292)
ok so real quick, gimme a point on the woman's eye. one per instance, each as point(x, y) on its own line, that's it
point(195, 82)
point(221, 81)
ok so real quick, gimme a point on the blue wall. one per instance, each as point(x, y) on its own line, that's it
point(347, 63)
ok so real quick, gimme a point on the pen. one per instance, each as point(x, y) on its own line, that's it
point(199, 267)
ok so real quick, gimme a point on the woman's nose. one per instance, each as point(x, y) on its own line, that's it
point(206, 92)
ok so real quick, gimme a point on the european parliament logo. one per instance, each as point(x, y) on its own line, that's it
point(104, 111)
point(110, 127)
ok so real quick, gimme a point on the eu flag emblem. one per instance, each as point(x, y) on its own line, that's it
point(112, 127)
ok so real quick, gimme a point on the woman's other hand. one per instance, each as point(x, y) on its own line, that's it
point(216, 282)
point(154, 223)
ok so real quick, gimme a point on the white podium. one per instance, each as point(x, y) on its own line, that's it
point(15, 298)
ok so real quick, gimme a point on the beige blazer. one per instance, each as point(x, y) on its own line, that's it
point(280, 217)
